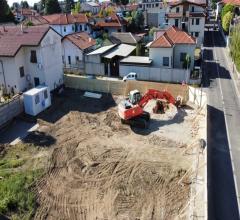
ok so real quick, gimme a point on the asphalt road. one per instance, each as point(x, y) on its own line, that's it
point(223, 131)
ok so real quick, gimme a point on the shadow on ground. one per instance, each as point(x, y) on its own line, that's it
point(222, 200)
point(73, 100)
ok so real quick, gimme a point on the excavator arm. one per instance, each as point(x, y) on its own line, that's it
point(155, 94)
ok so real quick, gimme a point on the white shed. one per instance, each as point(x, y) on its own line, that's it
point(36, 100)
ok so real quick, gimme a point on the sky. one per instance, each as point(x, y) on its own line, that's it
point(30, 2)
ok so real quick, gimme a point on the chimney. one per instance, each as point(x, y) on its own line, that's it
point(89, 39)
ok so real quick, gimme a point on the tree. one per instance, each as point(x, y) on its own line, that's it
point(15, 5)
point(139, 19)
point(69, 5)
point(24, 4)
point(152, 30)
point(187, 62)
point(226, 21)
point(77, 8)
point(52, 6)
point(226, 9)
point(6, 14)
point(42, 5)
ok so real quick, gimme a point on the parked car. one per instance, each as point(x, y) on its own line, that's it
point(130, 76)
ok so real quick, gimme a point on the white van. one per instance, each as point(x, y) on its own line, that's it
point(130, 76)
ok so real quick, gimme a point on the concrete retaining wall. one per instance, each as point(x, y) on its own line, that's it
point(122, 88)
point(11, 109)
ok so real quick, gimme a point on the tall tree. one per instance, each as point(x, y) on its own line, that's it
point(6, 14)
point(52, 7)
point(69, 4)
point(77, 8)
point(24, 4)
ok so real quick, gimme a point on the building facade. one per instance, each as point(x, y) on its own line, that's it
point(32, 58)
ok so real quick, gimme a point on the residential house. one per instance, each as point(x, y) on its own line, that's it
point(105, 60)
point(170, 48)
point(167, 55)
point(92, 7)
point(189, 16)
point(24, 13)
point(29, 57)
point(65, 24)
point(74, 48)
point(109, 24)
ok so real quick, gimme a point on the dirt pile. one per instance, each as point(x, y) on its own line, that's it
point(100, 169)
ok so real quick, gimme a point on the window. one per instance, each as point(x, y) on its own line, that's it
point(73, 28)
point(21, 70)
point(157, 4)
point(77, 59)
point(192, 33)
point(85, 27)
point(196, 34)
point(69, 60)
point(80, 27)
point(37, 99)
point(197, 21)
point(64, 28)
point(193, 21)
point(176, 22)
point(33, 57)
point(165, 61)
point(192, 8)
point(182, 56)
point(45, 93)
point(177, 9)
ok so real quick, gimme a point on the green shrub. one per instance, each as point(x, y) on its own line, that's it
point(227, 8)
point(226, 21)
point(235, 46)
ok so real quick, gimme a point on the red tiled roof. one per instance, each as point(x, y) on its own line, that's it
point(173, 36)
point(232, 2)
point(82, 40)
point(12, 38)
point(113, 21)
point(37, 20)
point(64, 19)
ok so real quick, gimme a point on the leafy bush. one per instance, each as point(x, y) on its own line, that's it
point(235, 46)
point(152, 30)
point(226, 21)
point(227, 8)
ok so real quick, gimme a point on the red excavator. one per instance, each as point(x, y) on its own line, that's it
point(131, 110)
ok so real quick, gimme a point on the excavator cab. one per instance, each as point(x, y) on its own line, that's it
point(134, 97)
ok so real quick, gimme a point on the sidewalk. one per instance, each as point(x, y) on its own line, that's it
point(235, 75)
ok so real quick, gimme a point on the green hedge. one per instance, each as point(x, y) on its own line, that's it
point(235, 46)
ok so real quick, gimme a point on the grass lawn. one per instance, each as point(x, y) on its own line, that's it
point(19, 169)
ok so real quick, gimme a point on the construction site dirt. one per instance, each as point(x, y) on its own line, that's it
point(100, 169)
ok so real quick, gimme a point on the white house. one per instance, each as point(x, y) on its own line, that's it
point(74, 48)
point(170, 48)
point(30, 57)
point(189, 16)
point(65, 24)
point(92, 7)
point(167, 58)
